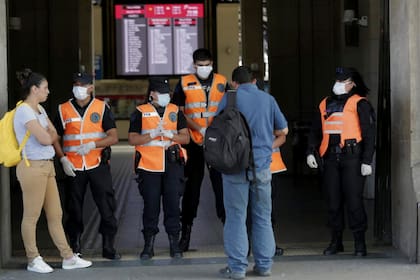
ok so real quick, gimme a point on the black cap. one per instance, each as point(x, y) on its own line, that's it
point(83, 78)
point(159, 84)
point(343, 73)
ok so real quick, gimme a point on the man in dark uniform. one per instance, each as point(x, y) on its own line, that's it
point(157, 129)
point(342, 144)
point(198, 96)
point(87, 129)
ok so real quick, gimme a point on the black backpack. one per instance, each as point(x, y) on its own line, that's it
point(227, 142)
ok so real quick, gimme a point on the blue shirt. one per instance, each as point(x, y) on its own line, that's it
point(263, 115)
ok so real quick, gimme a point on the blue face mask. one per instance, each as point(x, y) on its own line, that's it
point(163, 99)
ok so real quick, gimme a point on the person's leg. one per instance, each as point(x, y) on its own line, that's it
point(103, 194)
point(150, 187)
point(173, 184)
point(217, 184)
point(54, 214)
point(75, 195)
point(353, 185)
point(194, 171)
point(263, 245)
point(33, 182)
point(334, 198)
point(275, 187)
point(235, 197)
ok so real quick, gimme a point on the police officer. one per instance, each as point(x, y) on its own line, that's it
point(198, 96)
point(343, 135)
point(157, 129)
point(87, 128)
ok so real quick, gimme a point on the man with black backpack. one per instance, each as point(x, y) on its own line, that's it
point(264, 119)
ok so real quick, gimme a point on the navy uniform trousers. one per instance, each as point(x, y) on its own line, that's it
point(343, 185)
point(100, 182)
point(194, 171)
point(169, 186)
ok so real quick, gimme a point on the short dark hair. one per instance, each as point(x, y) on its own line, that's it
point(201, 55)
point(242, 75)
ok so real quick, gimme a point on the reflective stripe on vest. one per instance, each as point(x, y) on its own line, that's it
point(345, 123)
point(277, 165)
point(81, 130)
point(197, 107)
point(153, 152)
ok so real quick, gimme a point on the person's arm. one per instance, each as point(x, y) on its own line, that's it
point(315, 134)
point(41, 134)
point(110, 139)
point(134, 132)
point(279, 140)
point(183, 136)
point(280, 122)
point(368, 128)
point(110, 128)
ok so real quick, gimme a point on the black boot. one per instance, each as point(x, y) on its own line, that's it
point(174, 249)
point(75, 244)
point(336, 244)
point(279, 252)
point(184, 243)
point(359, 244)
point(149, 241)
point(108, 250)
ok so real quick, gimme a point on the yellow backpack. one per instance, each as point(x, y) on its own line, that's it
point(10, 150)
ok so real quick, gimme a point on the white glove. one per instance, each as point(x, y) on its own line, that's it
point(168, 134)
point(84, 149)
point(203, 131)
point(155, 133)
point(311, 161)
point(67, 166)
point(366, 169)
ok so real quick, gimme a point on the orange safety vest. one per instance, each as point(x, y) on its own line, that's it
point(345, 123)
point(81, 130)
point(277, 165)
point(153, 153)
point(197, 107)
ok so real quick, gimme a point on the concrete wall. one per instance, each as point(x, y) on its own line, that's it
point(4, 172)
point(405, 98)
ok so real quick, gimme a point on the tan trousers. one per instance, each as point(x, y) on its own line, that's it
point(39, 190)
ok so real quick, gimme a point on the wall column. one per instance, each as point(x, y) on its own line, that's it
point(405, 124)
point(5, 240)
point(252, 36)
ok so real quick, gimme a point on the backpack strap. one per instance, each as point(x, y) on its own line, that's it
point(27, 134)
point(231, 98)
point(231, 102)
point(22, 145)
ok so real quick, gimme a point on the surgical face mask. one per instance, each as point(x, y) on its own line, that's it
point(204, 71)
point(339, 88)
point(163, 99)
point(80, 93)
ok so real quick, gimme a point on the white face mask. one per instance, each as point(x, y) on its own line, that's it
point(339, 88)
point(80, 93)
point(204, 71)
point(163, 99)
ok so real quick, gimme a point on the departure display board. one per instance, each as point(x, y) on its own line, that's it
point(158, 39)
